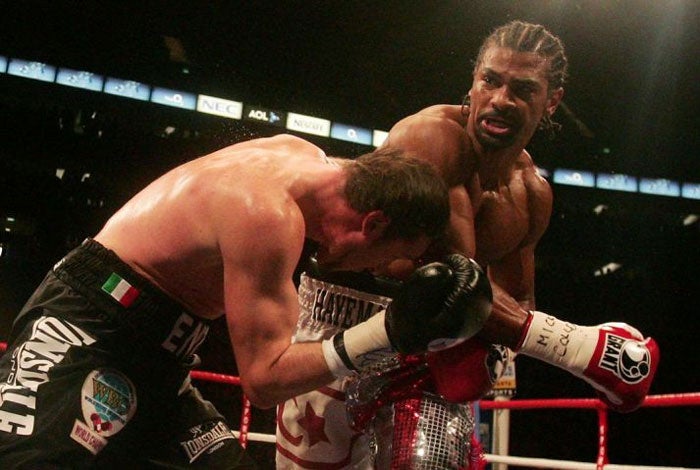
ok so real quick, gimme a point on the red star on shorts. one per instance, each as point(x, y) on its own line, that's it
point(313, 425)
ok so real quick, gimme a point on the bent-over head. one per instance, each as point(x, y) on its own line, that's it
point(407, 190)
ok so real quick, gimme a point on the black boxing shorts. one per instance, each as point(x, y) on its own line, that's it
point(96, 374)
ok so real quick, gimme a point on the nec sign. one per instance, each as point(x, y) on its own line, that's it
point(219, 107)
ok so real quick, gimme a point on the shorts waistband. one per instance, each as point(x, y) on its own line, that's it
point(103, 278)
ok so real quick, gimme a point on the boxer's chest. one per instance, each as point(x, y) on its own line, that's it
point(501, 222)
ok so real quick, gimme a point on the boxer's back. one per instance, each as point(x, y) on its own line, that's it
point(170, 231)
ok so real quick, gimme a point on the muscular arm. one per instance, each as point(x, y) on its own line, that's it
point(515, 272)
point(513, 276)
point(262, 310)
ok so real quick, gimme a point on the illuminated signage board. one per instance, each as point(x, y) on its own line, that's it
point(351, 133)
point(574, 177)
point(127, 89)
point(308, 124)
point(79, 79)
point(3, 64)
point(378, 137)
point(177, 99)
point(270, 116)
point(617, 182)
point(219, 107)
point(543, 172)
point(31, 69)
point(659, 186)
point(691, 190)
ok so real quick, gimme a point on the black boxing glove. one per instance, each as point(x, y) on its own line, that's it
point(440, 305)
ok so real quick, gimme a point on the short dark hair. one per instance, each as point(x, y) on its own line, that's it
point(528, 37)
point(406, 189)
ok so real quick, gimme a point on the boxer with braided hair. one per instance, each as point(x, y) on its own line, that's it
point(500, 208)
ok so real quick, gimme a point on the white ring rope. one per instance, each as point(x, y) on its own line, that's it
point(568, 464)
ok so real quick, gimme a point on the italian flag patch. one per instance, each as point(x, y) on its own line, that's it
point(120, 290)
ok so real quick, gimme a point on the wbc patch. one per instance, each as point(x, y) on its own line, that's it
point(108, 402)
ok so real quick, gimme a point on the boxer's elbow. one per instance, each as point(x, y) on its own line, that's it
point(268, 388)
point(263, 394)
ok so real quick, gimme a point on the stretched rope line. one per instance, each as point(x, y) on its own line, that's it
point(530, 462)
point(672, 399)
point(215, 377)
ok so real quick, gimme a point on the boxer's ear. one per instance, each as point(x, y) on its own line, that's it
point(374, 225)
point(553, 100)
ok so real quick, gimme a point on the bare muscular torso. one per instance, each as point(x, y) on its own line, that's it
point(503, 216)
point(171, 232)
point(500, 204)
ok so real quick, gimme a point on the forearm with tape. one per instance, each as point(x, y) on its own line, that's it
point(349, 350)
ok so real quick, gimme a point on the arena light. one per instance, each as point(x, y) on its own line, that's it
point(169, 130)
point(9, 222)
point(600, 208)
point(690, 219)
point(607, 269)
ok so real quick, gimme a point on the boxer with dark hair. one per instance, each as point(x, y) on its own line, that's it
point(417, 406)
point(501, 206)
point(97, 370)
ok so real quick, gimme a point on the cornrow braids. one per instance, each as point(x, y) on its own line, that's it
point(528, 37)
point(549, 126)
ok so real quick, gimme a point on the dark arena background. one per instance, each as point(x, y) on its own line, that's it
point(624, 238)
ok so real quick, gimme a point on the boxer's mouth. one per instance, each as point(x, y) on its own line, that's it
point(497, 126)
